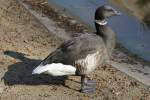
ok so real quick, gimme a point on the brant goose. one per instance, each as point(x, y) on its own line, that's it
point(82, 54)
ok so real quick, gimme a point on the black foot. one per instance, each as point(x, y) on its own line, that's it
point(89, 86)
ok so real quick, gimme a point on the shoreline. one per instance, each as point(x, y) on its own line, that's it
point(25, 41)
point(67, 21)
point(120, 57)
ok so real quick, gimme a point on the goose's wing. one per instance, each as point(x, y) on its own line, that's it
point(60, 55)
point(74, 49)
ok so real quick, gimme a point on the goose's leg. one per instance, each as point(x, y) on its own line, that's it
point(87, 86)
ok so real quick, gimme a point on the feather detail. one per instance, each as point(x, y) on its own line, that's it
point(55, 69)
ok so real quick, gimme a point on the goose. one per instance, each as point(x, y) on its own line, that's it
point(82, 54)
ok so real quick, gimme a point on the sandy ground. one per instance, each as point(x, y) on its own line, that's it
point(24, 41)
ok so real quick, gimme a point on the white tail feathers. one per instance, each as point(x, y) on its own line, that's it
point(55, 69)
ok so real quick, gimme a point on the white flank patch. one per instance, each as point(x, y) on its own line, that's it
point(90, 62)
point(55, 69)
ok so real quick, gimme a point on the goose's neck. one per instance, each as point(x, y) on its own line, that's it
point(108, 36)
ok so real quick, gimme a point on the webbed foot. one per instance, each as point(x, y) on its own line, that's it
point(88, 86)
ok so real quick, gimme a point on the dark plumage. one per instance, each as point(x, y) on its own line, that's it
point(77, 48)
point(86, 51)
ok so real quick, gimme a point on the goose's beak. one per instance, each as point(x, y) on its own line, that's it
point(117, 13)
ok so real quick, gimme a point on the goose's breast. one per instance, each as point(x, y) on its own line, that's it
point(89, 63)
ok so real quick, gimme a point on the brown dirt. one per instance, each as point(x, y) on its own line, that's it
point(24, 41)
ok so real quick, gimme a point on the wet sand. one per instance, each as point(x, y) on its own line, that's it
point(24, 42)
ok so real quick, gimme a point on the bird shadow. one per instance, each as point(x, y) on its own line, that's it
point(21, 72)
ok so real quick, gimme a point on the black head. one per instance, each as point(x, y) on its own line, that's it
point(105, 11)
point(101, 14)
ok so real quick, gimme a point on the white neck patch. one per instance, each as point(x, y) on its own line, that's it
point(101, 22)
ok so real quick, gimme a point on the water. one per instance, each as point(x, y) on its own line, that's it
point(130, 32)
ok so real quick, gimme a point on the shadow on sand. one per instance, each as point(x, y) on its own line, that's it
point(20, 72)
